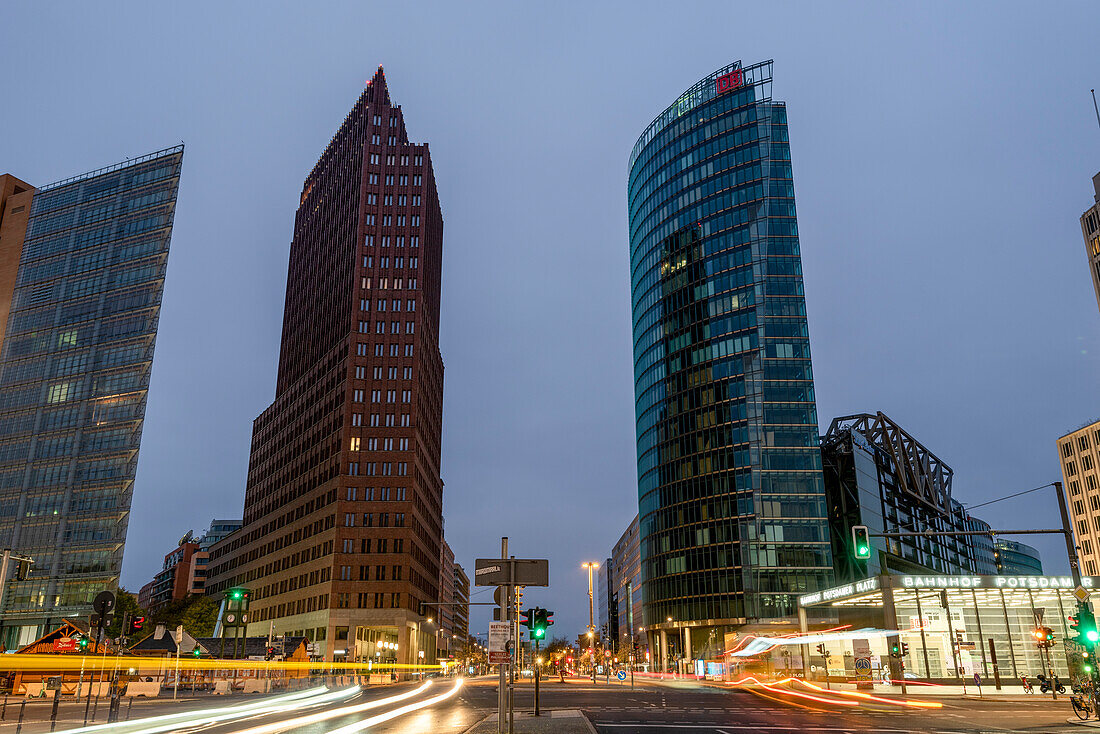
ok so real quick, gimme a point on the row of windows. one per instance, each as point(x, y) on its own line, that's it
point(383, 283)
point(376, 420)
point(361, 350)
point(384, 519)
point(387, 219)
point(398, 240)
point(343, 601)
point(365, 575)
point(356, 443)
point(388, 200)
point(374, 545)
point(370, 469)
point(380, 327)
point(361, 372)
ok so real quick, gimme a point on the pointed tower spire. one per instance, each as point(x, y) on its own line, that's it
point(379, 93)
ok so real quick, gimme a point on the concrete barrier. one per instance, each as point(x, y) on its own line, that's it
point(222, 688)
point(252, 685)
point(149, 689)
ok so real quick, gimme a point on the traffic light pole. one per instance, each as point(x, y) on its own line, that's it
point(537, 676)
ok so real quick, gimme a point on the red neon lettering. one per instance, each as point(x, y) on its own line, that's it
point(734, 80)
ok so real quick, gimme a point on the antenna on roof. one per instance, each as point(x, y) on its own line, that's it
point(1095, 107)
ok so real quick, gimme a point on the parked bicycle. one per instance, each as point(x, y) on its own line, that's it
point(1082, 700)
point(1026, 684)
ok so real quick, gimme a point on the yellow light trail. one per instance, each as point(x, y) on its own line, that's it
point(54, 663)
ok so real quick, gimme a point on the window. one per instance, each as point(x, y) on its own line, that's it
point(405, 180)
point(400, 494)
point(405, 420)
point(410, 305)
point(349, 520)
point(396, 573)
point(414, 241)
point(349, 545)
point(1086, 546)
point(416, 180)
point(391, 396)
point(408, 373)
point(345, 573)
point(416, 199)
point(357, 396)
point(375, 396)
point(342, 601)
point(1067, 449)
point(1082, 527)
point(374, 420)
point(1078, 507)
point(389, 420)
point(363, 325)
point(399, 545)
point(379, 573)
point(399, 520)
point(1086, 462)
point(364, 573)
point(361, 350)
point(353, 446)
point(357, 419)
point(376, 139)
point(372, 444)
point(364, 546)
point(370, 494)
point(403, 444)
point(379, 327)
point(368, 519)
point(378, 373)
point(351, 494)
point(419, 160)
point(389, 444)
point(408, 350)
point(381, 545)
point(1090, 481)
point(1071, 469)
point(375, 158)
point(393, 350)
point(378, 350)
point(384, 520)
point(406, 396)
point(360, 372)
point(409, 326)
point(1083, 443)
point(395, 601)
point(393, 373)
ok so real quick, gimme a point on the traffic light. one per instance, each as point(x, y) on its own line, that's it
point(895, 649)
point(269, 653)
point(196, 652)
point(821, 649)
point(137, 622)
point(82, 642)
point(540, 622)
point(1084, 627)
point(904, 649)
point(861, 542)
point(527, 618)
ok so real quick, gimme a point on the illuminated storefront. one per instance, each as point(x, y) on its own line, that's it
point(993, 617)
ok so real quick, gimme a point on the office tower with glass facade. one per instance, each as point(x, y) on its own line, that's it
point(731, 503)
point(1090, 230)
point(343, 518)
point(880, 476)
point(74, 376)
point(1017, 559)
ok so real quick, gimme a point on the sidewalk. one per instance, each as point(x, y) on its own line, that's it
point(559, 721)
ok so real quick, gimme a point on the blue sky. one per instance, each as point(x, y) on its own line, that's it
point(942, 155)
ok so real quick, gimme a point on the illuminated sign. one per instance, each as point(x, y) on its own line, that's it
point(728, 82)
point(947, 582)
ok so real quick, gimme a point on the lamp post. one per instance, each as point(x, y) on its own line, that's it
point(591, 566)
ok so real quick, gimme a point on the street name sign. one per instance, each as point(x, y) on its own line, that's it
point(518, 571)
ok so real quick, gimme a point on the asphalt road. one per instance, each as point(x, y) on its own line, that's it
point(652, 707)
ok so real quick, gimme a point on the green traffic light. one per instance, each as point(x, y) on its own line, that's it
point(1087, 668)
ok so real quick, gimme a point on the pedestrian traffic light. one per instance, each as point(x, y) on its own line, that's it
point(137, 622)
point(861, 542)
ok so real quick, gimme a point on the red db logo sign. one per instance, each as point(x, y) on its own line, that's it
point(734, 80)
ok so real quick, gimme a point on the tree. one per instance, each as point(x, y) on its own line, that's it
point(125, 602)
point(197, 614)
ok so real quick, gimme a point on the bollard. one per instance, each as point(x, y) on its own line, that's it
point(128, 707)
point(95, 709)
point(4, 708)
point(53, 713)
point(19, 726)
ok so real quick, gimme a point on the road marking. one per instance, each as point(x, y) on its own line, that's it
point(758, 727)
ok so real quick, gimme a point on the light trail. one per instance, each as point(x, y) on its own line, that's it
point(867, 696)
point(219, 714)
point(366, 723)
point(332, 713)
point(760, 645)
point(98, 663)
point(787, 692)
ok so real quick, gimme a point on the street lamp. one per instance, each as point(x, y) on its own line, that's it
point(591, 566)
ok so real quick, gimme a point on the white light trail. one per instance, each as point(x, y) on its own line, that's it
point(760, 645)
point(285, 724)
point(366, 723)
point(217, 714)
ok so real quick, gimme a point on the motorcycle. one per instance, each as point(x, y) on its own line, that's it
point(1045, 685)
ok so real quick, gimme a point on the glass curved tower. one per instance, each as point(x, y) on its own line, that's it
point(733, 522)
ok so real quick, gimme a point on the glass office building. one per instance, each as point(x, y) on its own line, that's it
point(74, 375)
point(732, 510)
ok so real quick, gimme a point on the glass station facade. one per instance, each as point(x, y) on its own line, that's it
point(74, 377)
point(992, 616)
point(732, 515)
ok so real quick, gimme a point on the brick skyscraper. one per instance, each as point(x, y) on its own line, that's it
point(343, 508)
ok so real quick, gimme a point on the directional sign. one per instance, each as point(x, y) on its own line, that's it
point(518, 571)
point(621, 675)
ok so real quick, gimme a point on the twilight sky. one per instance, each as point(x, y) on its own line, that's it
point(942, 156)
